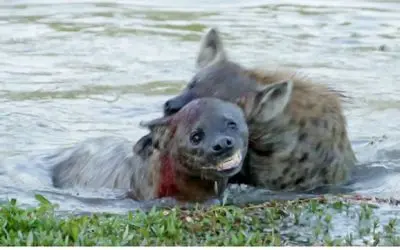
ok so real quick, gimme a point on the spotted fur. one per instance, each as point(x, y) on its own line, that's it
point(298, 137)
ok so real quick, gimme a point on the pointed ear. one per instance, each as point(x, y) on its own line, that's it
point(269, 101)
point(211, 49)
point(143, 146)
point(156, 123)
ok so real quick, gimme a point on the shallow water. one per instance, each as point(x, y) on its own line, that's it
point(78, 69)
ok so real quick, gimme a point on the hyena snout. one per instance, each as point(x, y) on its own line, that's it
point(170, 107)
point(223, 145)
point(173, 105)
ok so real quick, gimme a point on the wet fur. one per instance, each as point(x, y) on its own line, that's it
point(304, 147)
point(104, 162)
point(298, 136)
point(152, 168)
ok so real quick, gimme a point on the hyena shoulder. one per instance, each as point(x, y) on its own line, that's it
point(307, 144)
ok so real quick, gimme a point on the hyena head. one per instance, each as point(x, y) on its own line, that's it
point(208, 137)
point(220, 78)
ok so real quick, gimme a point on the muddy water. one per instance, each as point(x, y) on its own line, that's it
point(71, 70)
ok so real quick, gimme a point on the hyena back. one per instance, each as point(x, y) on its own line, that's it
point(298, 137)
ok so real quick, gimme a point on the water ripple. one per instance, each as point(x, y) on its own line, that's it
point(78, 69)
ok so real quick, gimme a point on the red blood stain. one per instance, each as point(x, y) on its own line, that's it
point(167, 186)
point(189, 114)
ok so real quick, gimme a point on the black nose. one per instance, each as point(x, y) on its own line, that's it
point(223, 145)
point(170, 107)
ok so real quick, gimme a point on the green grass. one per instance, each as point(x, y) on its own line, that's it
point(311, 222)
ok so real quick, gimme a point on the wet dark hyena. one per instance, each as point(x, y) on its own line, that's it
point(188, 156)
point(298, 139)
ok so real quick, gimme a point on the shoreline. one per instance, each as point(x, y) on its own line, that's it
point(341, 221)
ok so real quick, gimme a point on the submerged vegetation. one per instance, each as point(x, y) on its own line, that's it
point(300, 222)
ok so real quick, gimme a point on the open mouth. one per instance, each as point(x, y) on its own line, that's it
point(231, 162)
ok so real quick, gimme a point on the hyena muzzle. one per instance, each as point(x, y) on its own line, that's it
point(298, 138)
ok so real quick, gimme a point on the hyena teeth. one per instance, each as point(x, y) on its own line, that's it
point(216, 187)
point(231, 162)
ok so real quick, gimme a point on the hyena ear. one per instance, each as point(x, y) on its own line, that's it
point(159, 128)
point(143, 146)
point(156, 123)
point(268, 101)
point(211, 49)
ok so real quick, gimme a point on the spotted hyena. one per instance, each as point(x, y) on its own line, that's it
point(188, 156)
point(298, 138)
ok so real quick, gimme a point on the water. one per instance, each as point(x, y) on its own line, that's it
point(71, 70)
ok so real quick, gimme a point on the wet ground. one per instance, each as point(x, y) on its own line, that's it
point(71, 70)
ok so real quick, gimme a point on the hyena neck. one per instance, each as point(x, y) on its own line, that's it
point(273, 132)
point(180, 185)
point(257, 127)
point(168, 184)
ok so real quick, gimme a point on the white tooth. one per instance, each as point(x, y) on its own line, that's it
point(230, 162)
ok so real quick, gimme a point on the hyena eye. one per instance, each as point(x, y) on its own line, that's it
point(196, 137)
point(232, 125)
